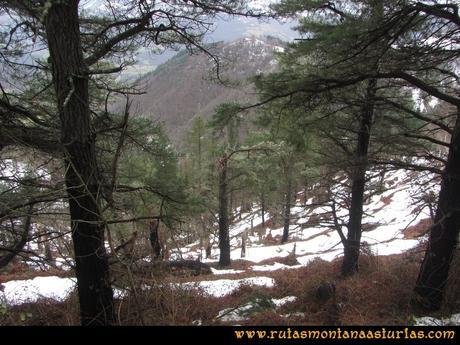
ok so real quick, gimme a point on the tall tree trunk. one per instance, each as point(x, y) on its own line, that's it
point(287, 205)
point(262, 209)
point(230, 200)
point(432, 278)
point(154, 238)
point(200, 177)
point(358, 183)
point(82, 180)
point(224, 237)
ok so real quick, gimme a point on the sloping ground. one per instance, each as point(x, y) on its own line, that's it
point(388, 217)
point(273, 284)
point(378, 295)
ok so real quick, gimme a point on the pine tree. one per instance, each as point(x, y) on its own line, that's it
point(414, 50)
point(80, 45)
point(340, 97)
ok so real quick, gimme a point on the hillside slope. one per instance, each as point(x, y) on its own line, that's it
point(394, 222)
point(186, 86)
point(273, 284)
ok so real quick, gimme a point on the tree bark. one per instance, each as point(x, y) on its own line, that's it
point(432, 278)
point(287, 205)
point(208, 248)
point(48, 251)
point(224, 237)
point(358, 183)
point(82, 180)
point(243, 245)
point(262, 209)
point(155, 239)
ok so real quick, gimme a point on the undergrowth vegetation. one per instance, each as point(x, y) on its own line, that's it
point(378, 295)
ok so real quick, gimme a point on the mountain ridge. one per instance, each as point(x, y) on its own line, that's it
point(185, 86)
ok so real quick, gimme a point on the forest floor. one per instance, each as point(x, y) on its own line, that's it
point(273, 284)
point(378, 295)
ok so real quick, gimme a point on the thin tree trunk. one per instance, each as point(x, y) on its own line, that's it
point(262, 209)
point(230, 200)
point(200, 178)
point(154, 238)
point(287, 206)
point(82, 181)
point(208, 248)
point(224, 237)
point(358, 176)
point(48, 251)
point(432, 278)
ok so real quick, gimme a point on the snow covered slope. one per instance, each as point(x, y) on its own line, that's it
point(388, 216)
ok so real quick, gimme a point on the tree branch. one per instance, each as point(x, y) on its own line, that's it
point(6, 259)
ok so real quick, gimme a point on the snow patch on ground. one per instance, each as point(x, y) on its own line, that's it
point(282, 301)
point(223, 287)
point(389, 213)
point(222, 272)
point(27, 291)
point(291, 315)
point(329, 256)
point(276, 266)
